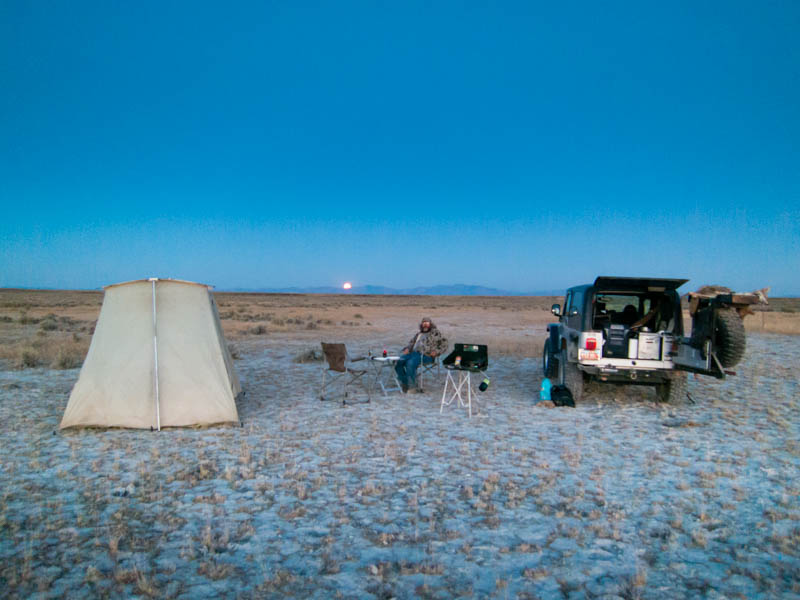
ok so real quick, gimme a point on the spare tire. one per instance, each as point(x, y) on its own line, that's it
point(729, 337)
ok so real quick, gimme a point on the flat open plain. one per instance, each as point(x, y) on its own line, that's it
point(620, 497)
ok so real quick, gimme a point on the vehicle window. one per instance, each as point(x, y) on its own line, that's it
point(615, 306)
point(567, 302)
point(577, 302)
point(618, 302)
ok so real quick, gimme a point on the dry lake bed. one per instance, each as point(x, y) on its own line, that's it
point(620, 497)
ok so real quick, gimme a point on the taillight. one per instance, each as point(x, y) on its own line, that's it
point(591, 344)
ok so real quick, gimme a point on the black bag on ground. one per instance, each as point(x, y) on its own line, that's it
point(561, 396)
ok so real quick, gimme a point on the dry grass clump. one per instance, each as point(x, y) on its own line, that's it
point(66, 354)
point(49, 323)
point(215, 570)
point(24, 319)
point(387, 569)
point(308, 355)
point(69, 355)
point(506, 346)
point(29, 357)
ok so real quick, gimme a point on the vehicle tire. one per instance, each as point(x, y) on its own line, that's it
point(549, 361)
point(673, 390)
point(571, 376)
point(729, 337)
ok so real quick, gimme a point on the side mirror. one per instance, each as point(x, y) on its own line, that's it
point(556, 309)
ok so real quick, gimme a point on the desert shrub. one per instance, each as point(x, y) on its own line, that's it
point(312, 325)
point(258, 330)
point(24, 319)
point(5, 319)
point(308, 355)
point(48, 324)
point(29, 357)
point(68, 357)
point(235, 354)
point(358, 316)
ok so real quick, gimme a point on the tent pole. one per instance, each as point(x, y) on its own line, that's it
point(155, 355)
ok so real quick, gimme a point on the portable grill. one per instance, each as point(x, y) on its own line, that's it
point(474, 357)
point(466, 359)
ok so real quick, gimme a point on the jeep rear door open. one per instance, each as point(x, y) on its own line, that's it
point(636, 284)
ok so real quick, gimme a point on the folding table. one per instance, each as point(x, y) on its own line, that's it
point(386, 380)
point(465, 359)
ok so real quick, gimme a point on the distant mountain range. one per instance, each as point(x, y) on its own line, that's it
point(458, 289)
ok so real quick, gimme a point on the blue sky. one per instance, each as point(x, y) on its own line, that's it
point(514, 145)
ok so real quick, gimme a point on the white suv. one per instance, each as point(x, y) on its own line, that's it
point(630, 330)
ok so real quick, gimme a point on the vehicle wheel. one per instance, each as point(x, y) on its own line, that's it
point(673, 390)
point(549, 362)
point(729, 337)
point(571, 376)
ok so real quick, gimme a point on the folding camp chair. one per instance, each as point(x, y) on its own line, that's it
point(340, 369)
point(428, 368)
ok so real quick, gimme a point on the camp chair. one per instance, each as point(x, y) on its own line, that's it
point(340, 368)
point(423, 368)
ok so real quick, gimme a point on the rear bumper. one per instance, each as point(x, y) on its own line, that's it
point(623, 369)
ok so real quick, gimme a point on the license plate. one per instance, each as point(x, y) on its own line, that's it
point(588, 355)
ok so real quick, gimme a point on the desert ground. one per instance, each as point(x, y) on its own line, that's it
point(620, 497)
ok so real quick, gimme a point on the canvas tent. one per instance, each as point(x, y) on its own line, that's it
point(157, 359)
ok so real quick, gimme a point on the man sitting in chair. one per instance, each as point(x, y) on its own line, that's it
point(426, 345)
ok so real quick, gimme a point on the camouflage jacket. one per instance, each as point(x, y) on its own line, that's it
point(435, 342)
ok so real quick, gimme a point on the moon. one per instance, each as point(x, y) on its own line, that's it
point(347, 285)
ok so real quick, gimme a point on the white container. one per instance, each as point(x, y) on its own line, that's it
point(633, 348)
point(649, 346)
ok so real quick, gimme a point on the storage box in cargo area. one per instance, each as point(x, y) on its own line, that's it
point(649, 346)
point(633, 347)
point(616, 345)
